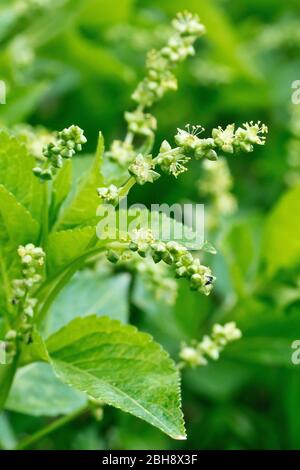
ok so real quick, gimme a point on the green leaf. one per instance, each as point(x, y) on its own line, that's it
point(16, 227)
point(19, 224)
point(38, 392)
point(91, 292)
point(121, 367)
point(16, 174)
point(82, 209)
point(282, 233)
point(67, 245)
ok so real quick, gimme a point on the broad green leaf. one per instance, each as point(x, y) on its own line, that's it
point(16, 227)
point(16, 174)
point(38, 392)
point(19, 224)
point(281, 247)
point(82, 209)
point(91, 292)
point(121, 367)
point(66, 245)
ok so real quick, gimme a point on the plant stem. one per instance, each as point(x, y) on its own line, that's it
point(50, 428)
point(45, 219)
point(7, 374)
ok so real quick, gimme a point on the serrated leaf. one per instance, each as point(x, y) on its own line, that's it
point(121, 367)
point(282, 233)
point(38, 392)
point(91, 292)
point(16, 174)
point(82, 209)
point(19, 224)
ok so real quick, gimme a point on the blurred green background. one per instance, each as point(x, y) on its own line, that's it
point(78, 61)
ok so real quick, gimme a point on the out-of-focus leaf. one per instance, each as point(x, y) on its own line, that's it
point(37, 391)
point(96, 354)
point(16, 174)
point(90, 292)
point(281, 247)
point(66, 245)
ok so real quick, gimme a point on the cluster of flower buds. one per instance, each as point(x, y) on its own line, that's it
point(69, 141)
point(142, 169)
point(121, 152)
point(175, 255)
point(190, 145)
point(109, 195)
point(243, 138)
point(172, 161)
point(160, 63)
point(140, 123)
point(197, 354)
point(32, 259)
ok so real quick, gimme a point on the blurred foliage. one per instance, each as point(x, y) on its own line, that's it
point(78, 61)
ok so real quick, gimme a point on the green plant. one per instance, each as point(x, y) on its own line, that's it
point(48, 234)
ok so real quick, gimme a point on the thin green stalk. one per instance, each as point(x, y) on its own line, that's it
point(50, 428)
point(45, 218)
point(7, 375)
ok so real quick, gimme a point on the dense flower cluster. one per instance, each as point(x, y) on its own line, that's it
point(211, 346)
point(110, 194)
point(160, 63)
point(32, 259)
point(142, 169)
point(69, 142)
point(141, 123)
point(121, 152)
point(190, 145)
point(175, 255)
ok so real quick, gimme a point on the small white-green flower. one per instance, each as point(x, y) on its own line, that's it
point(192, 356)
point(142, 169)
point(187, 23)
point(121, 153)
point(141, 123)
point(109, 194)
point(225, 138)
point(172, 161)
